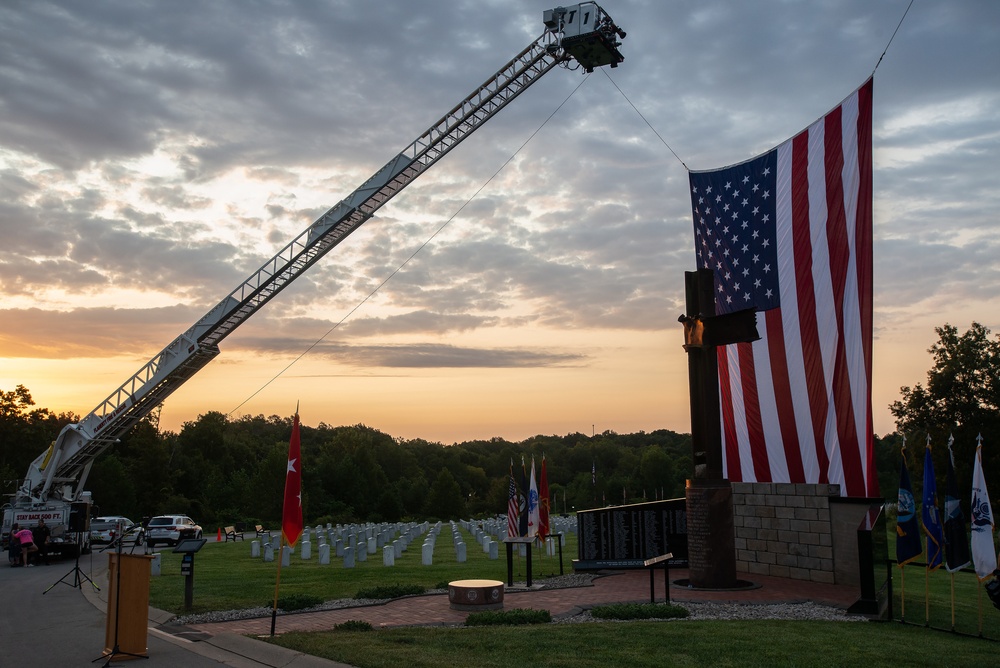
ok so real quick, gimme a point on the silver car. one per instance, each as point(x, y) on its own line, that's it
point(171, 529)
point(105, 529)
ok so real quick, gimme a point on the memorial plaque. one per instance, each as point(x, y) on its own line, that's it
point(626, 536)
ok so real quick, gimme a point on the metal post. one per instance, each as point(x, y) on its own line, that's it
point(510, 564)
point(528, 563)
point(666, 581)
point(559, 540)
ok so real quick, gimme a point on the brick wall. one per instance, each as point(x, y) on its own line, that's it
point(784, 530)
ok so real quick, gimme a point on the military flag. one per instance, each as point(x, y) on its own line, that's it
point(930, 518)
point(907, 532)
point(984, 555)
point(956, 545)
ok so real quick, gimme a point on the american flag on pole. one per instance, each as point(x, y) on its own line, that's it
point(790, 233)
point(512, 506)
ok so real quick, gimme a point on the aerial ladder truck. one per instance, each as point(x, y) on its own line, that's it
point(577, 36)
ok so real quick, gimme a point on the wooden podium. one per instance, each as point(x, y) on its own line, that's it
point(128, 606)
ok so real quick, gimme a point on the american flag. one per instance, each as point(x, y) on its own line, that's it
point(790, 233)
point(512, 506)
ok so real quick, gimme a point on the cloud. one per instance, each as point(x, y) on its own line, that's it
point(423, 355)
point(153, 156)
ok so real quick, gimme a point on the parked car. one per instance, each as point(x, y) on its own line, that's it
point(171, 529)
point(105, 529)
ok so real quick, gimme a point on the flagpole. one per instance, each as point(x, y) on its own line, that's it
point(902, 594)
point(927, 596)
point(980, 588)
point(277, 581)
point(952, 601)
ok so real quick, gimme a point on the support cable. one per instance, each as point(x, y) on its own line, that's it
point(413, 254)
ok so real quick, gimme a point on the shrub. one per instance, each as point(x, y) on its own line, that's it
point(297, 602)
point(508, 617)
point(639, 611)
point(390, 591)
point(353, 625)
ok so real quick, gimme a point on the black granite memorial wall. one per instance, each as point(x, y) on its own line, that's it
point(625, 536)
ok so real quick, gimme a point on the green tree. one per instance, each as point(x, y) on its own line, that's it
point(961, 398)
point(445, 501)
point(25, 433)
point(656, 471)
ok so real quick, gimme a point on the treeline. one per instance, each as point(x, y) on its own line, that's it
point(220, 471)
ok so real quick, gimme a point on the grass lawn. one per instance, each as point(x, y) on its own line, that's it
point(653, 644)
point(226, 577)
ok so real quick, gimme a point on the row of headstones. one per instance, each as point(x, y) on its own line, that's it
point(352, 543)
point(494, 530)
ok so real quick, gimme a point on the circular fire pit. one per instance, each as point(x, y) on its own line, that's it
point(475, 595)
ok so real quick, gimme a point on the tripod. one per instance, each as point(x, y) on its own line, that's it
point(116, 651)
point(77, 574)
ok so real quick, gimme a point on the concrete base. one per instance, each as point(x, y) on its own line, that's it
point(711, 536)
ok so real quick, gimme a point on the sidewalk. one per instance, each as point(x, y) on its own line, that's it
point(54, 622)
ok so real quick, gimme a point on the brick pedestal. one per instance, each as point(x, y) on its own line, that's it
point(711, 538)
point(785, 530)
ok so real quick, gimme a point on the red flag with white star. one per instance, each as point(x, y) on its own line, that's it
point(291, 515)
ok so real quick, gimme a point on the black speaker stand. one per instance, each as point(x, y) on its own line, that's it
point(78, 575)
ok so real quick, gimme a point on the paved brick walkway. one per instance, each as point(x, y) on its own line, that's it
point(628, 586)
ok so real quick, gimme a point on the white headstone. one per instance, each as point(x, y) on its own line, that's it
point(494, 550)
point(348, 557)
point(460, 552)
point(286, 556)
point(372, 544)
point(427, 554)
point(255, 549)
point(324, 554)
point(397, 548)
point(362, 552)
point(268, 552)
point(388, 555)
point(306, 550)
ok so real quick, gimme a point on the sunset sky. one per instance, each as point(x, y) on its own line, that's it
point(153, 155)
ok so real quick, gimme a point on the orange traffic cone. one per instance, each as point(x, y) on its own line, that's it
point(219, 537)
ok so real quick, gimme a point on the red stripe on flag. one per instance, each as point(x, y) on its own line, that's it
point(751, 406)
